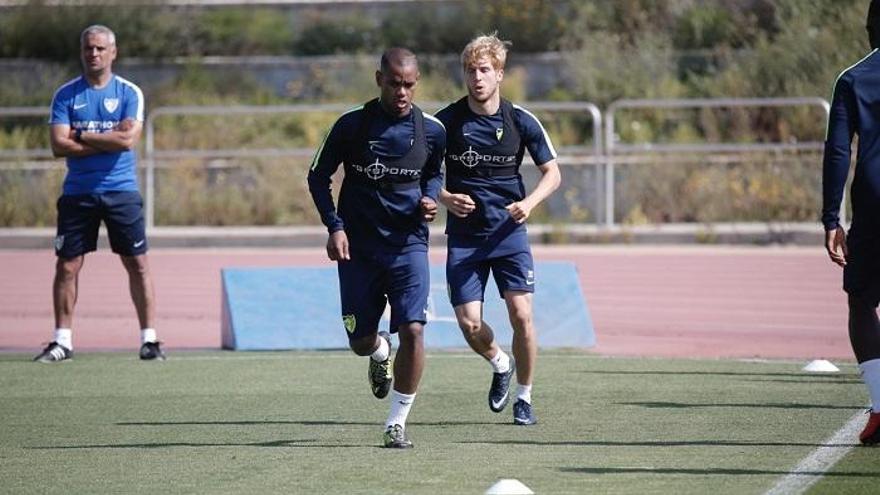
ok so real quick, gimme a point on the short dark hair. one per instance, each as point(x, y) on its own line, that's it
point(397, 57)
point(873, 24)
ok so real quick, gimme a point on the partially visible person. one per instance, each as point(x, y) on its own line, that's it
point(854, 105)
point(488, 205)
point(392, 154)
point(95, 123)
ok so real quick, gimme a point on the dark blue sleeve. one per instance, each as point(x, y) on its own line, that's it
point(534, 136)
point(432, 173)
point(327, 160)
point(836, 159)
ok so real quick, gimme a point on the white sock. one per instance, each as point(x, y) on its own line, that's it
point(400, 406)
point(148, 335)
point(64, 336)
point(501, 362)
point(524, 392)
point(871, 376)
point(381, 353)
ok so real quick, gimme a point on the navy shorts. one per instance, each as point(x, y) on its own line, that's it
point(370, 280)
point(861, 275)
point(469, 260)
point(79, 216)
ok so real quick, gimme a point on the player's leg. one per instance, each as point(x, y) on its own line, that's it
point(466, 276)
point(514, 275)
point(861, 279)
point(123, 214)
point(77, 234)
point(408, 288)
point(360, 288)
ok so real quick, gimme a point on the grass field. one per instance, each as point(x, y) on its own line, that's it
point(305, 422)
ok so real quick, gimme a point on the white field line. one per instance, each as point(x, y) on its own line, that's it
point(812, 467)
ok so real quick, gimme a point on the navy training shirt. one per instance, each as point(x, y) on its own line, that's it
point(375, 215)
point(855, 109)
point(491, 194)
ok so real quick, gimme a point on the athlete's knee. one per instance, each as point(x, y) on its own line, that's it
point(363, 346)
point(470, 326)
point(68, 268)
point(411, 333)
point(136, 265)
point(521, 319)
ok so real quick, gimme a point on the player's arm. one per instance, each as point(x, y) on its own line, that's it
point(542, 152)
point(123, 138)
point(432, 173)
point(459, 204)
point(64, 143)
point(324, 165)
point(835, 167)
point(549, 182)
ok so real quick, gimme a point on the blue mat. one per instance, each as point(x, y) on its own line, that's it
point(298, 308)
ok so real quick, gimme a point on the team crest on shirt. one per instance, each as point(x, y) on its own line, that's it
point(111, 104)
point(350, 323)
point(499, 133)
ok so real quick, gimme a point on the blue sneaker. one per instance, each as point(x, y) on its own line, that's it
point(499, 391)
point(522, 413)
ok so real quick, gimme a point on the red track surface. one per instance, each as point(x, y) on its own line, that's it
point(644, 301)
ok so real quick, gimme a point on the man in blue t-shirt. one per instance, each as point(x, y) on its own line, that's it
point(391, 153)
point(488, 205)
point(95, 123)
point(854, 104)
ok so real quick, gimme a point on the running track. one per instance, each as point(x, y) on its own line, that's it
point(694, 301)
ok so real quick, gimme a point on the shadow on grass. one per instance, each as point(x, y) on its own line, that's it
point(300, 423)
point(310, 443)
point(713, 471)
point(769, 405)
point(659, 443)
point(803, 382)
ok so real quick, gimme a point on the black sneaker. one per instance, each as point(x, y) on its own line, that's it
point(522, 413)
point(379, 374)
point(395, 438)
point(151, 351)
point(499, 391)
point(53, 353)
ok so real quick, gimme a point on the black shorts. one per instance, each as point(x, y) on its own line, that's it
point(80, 215)
point(861, 275)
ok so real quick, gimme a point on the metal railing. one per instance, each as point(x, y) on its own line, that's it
point(151, 154)
point(612, 147)
point(603, 153)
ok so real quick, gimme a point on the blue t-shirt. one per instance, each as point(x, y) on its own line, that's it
point(81, 106)
point(491, 194)
point(377, 218)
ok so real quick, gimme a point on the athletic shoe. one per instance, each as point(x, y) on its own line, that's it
point(151, 351)
point(53, 353)
point(871, 434)
point(379, 374)
point(522, 413)
point(395, 438)
point(499, 391)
